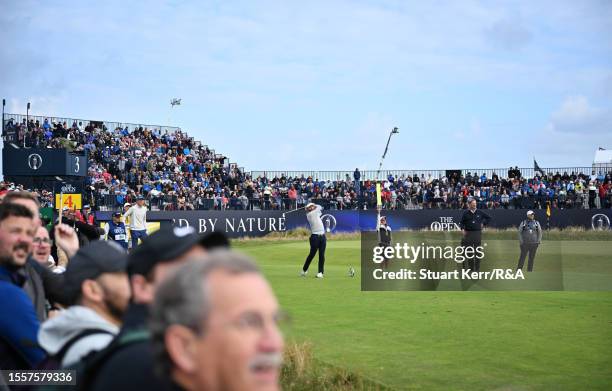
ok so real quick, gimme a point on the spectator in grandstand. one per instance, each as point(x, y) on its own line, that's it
point(86, 215)
point(215, 326)
point(130, 365)
point(97, 292)
point(138, 220)
point(85, 232)
point(19, 324)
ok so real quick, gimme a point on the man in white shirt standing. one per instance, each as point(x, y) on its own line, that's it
point(318, 242)
point(138, 220)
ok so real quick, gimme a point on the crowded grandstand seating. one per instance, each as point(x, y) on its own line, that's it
point(175, 172)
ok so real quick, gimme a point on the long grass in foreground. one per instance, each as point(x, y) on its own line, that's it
point(301, 371)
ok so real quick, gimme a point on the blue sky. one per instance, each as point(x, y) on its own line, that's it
point(319, 84)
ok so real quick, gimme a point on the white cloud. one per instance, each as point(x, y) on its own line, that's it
point(577, 115)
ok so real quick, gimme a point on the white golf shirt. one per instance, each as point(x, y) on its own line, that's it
point(314, 219)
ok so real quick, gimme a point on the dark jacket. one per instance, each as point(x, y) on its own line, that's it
point(384, 235)
point(131, 367)
point(42, 285)
point(473, 221)
point(18, 324)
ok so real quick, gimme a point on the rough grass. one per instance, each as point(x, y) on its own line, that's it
point(301, 371)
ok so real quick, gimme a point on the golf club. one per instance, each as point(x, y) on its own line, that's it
point(294, 210)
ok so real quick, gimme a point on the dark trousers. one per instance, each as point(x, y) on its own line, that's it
point(472, 239)
point(317, 243)
point(527, 248)
point(137, 235)
point(385, 263)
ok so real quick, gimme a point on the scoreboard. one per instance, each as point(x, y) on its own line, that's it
point(33, 162)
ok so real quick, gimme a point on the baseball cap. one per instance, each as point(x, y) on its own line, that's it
point(86, 206)
point(90, 262)
point(530, 212)
point(139, 198)
point(167, 244)
point(117, 214)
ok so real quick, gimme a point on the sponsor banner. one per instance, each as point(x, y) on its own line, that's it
point(237, 223)
point(68, 187)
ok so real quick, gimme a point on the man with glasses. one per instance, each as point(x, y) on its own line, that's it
point(215, 326)
point(41, 250)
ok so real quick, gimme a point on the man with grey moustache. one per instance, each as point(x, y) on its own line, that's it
point(215, 326)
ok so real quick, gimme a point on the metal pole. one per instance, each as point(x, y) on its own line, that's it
point(3, 104)
point(27, 124)
point(393, 131)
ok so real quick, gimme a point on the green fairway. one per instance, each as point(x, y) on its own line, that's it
point(443, 340)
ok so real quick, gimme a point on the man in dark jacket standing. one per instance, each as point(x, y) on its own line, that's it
point(530, 237)
point(472, 222)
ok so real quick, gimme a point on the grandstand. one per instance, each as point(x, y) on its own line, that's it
point(175, 172)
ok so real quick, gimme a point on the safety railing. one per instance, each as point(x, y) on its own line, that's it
point(107, 125)
point(435, 174)
point(407, 202)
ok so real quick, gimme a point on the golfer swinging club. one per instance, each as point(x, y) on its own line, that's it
point(318, 242)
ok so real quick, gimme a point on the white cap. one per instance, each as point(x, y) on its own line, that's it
point(310, 205)
point(530, 212)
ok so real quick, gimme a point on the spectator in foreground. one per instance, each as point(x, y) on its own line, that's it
point(41, 250)
point(215, 326)
point(18, 324)
point(130, 365)
point(41, 284)
point(97, 292)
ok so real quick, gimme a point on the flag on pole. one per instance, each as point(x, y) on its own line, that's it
point(378, 195)
point(537, 171)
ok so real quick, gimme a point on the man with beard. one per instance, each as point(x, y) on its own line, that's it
point(40, 283)
point(127, 364)
point(18, 323)
point(97, 290)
